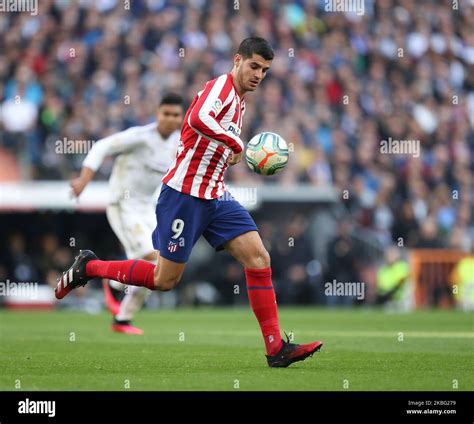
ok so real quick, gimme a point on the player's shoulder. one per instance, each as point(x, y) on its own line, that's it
point(141, 130)
point(224, 77)
point(224, 80)
point(175, 136)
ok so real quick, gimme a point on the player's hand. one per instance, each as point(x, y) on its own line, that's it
point(78, 185)
point(234, 158)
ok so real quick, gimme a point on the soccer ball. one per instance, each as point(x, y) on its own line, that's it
point(266, 153)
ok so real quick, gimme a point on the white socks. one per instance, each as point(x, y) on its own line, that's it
point(135, 297)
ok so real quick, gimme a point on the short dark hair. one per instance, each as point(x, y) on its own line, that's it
point(172, 99)
point(257, 45)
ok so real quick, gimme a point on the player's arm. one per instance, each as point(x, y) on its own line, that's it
point(115, 144)
point(79, 184)
point(202, 118)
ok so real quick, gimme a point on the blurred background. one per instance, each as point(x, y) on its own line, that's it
point(342, 211)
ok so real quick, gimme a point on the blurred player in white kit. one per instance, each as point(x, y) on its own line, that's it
point(144, 155)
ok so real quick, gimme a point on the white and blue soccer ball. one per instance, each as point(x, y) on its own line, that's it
point(267, 153)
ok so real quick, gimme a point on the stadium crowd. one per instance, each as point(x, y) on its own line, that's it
point(340, 85)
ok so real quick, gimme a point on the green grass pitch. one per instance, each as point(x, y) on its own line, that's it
point(222, 349)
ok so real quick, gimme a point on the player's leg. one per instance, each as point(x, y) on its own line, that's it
point(132, 221)
point(182, 219)
point(163, 276)
point(131, 303)
point(135, 296)
point(168, 275)
point(249, 250)
point(114, 291)
point(87, 266)
point(233, 229)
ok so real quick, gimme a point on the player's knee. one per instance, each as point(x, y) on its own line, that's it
point(166, 284)
point(260, 259)
point(265, 259)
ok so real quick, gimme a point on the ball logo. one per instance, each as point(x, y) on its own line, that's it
point(265, 159)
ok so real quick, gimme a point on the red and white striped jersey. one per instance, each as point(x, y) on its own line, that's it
point(210, 132)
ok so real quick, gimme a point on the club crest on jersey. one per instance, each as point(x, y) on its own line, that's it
point(172, 246)
point(234, 129)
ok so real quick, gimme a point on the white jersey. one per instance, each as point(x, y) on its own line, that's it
point(144, 157)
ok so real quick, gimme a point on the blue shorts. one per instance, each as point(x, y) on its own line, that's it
point(183, 218)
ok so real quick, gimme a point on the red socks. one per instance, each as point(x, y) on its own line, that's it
point(259, 286)
point(132, 272)
point(263, 302)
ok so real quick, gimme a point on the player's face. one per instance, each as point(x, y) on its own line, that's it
point(251, 71)
point(169, 118)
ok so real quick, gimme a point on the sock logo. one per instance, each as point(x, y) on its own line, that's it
point(270, 339)
point(124, 277)
point(37, 407)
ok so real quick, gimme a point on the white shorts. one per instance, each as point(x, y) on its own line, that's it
point(133, 223)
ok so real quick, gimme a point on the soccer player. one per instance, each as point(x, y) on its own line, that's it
point(193, 202)
point(144, 155)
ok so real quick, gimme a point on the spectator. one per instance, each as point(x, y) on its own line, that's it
point(392, 278)
point(339, 85)
point(291, 255)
